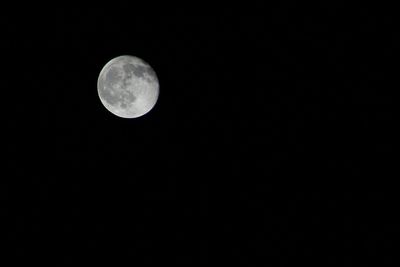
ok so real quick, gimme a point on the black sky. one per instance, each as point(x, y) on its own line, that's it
point(270, 142)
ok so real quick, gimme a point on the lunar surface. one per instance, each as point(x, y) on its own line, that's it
point(128, 87)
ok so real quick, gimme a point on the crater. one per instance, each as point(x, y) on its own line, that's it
point(137, 70)
point(112, 76)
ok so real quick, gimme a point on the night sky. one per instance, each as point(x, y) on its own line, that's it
point(270, 143)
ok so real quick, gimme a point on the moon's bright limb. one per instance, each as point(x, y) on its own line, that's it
point(128, 87)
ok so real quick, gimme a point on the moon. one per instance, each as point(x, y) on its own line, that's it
point(128, 87)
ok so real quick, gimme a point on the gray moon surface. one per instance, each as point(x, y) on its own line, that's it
point(128, 87)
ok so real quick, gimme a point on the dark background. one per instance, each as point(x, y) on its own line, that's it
point(271, 142)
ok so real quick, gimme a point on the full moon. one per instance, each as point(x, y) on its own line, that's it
point(128, 87)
